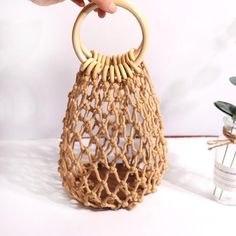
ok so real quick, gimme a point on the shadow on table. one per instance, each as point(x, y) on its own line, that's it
point(32, 165)
point(192, 180)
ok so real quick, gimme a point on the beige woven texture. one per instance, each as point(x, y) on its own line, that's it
point(113, 150)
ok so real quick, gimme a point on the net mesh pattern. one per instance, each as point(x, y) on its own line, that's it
point(112, 150)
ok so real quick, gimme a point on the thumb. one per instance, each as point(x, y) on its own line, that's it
point(106, 5)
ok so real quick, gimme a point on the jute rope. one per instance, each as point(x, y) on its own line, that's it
point(230, 139)
point(113, 150)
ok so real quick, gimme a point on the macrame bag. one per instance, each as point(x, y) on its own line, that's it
point(113, 150)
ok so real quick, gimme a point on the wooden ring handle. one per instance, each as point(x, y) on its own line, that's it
point(83, 53)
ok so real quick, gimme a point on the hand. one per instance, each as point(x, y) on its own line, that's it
point(104, 6)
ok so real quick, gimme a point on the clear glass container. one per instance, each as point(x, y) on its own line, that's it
point(225, 167)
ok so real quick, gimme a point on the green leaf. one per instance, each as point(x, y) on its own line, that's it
point(227, 108)
point(233, 80)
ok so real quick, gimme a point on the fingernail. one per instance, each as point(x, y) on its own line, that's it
point(81, 4)
point(112, 8)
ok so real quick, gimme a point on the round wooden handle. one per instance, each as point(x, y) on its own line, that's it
point(83, 53)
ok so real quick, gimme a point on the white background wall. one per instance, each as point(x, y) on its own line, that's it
point(191, 56)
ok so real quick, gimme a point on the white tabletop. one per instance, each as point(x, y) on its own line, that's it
point(33, 202)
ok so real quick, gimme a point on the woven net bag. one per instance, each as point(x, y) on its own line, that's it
point(113, 150)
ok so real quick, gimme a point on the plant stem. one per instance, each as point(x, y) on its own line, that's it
point(224, 160)
point(221, 193)
point(233, 160)
point(226, 149)
point(230, 167)
point(214, 193)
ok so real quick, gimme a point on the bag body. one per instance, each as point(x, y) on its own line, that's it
point(112, 150)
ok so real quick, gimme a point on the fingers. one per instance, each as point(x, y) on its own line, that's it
point(103, 6)
point(79, 2)
point(106, 5)
point(101, 13)
point(46, 2)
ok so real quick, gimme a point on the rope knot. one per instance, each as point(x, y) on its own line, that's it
point(230, 139)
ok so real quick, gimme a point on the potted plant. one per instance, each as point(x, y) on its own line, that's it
point(225, 161)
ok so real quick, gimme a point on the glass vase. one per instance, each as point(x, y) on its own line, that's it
point(225, 165)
